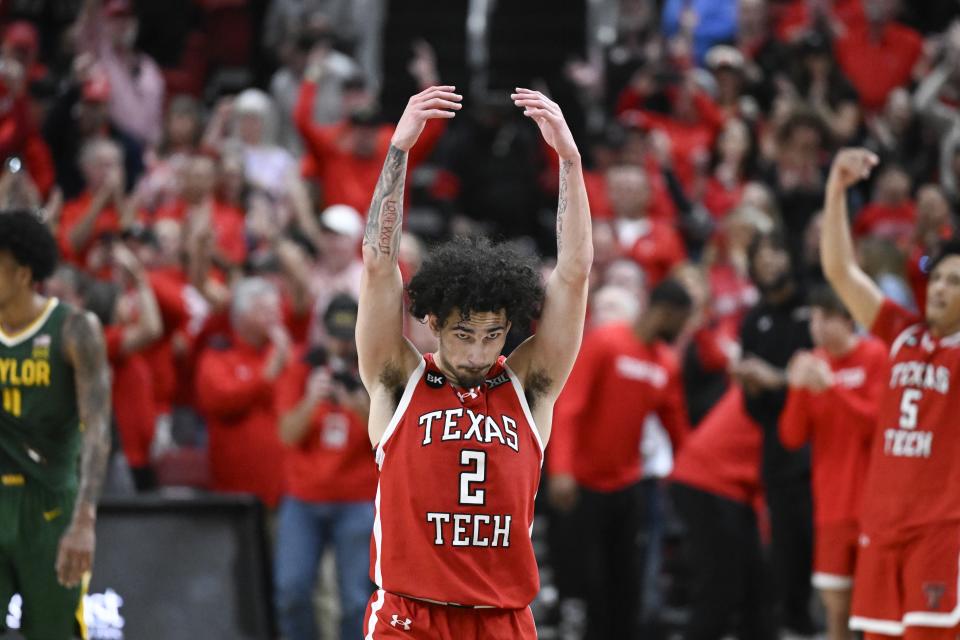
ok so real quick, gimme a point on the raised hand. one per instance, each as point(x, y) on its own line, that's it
point(549, 118)
point(850, 166)
point(434, 102)
point(128, 262)
point(317, 61)
point(423, 65)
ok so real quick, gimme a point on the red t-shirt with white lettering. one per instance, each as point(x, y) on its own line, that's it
point(914, 478)
point(598, 419)
point(839, 423)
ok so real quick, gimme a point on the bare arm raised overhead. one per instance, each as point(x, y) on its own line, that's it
point(545, 360)
point(859, 293)
point(386, 358)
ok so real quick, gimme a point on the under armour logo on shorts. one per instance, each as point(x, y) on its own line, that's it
point(396, 621)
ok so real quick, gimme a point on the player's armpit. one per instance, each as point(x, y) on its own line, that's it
point(86, 351)
point(547, 357)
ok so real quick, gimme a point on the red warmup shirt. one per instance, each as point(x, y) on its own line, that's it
point(657, 250)
point(839, 423)
point(345, 177)
point(334, 461)
point(722, 455)
point(459, 470)
point(228, 227)
point(876, 67)
point(133, 403)
point(238, 402)
point(894, 223)
point(598, 420)
point(914, 478)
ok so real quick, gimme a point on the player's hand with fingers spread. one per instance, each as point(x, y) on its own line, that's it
point(433, 102)
point(850, 166)
point(75, 553)
point(546, 113)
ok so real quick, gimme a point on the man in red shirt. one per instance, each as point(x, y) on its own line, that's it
point(691, 124)
point(832, 402)
point(622, 374)
point(198, 207)
point(907, 564)
point(345, 157)
point(101, 211)
point(653, 244)
point(236, 387)
point(331, 478)
point(892, 213)
point(878, 54)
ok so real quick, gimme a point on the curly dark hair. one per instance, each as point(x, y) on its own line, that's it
point(24, 235)
point(475, 275)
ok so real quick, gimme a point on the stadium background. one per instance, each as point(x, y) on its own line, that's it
point(724, 113)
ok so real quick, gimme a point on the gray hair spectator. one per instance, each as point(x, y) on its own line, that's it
point(235, 388)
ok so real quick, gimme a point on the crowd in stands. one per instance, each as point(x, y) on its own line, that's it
point(207, 177)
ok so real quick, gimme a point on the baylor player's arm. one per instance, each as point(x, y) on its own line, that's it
point(86, 351)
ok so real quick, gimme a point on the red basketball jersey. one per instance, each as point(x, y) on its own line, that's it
point(459, 471)
point(914, 478)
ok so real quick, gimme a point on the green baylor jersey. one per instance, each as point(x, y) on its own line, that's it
point(39, 425)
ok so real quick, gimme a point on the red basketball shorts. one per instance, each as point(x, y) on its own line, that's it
point(835, 555)
point(908, 582)
point(396, 617)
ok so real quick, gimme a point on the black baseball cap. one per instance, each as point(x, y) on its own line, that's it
point(340, 318)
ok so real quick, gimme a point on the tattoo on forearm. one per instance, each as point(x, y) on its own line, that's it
point(85, 345)
point(385, 218)
point(565, 166)
point(388, 224)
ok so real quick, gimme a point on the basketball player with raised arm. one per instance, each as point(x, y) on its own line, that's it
point(905, 582)
point(459, 433)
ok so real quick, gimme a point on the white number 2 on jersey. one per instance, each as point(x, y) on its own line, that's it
point(478, 461)
point(908, 408)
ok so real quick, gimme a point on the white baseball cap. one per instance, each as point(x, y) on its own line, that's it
point(342, 219)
